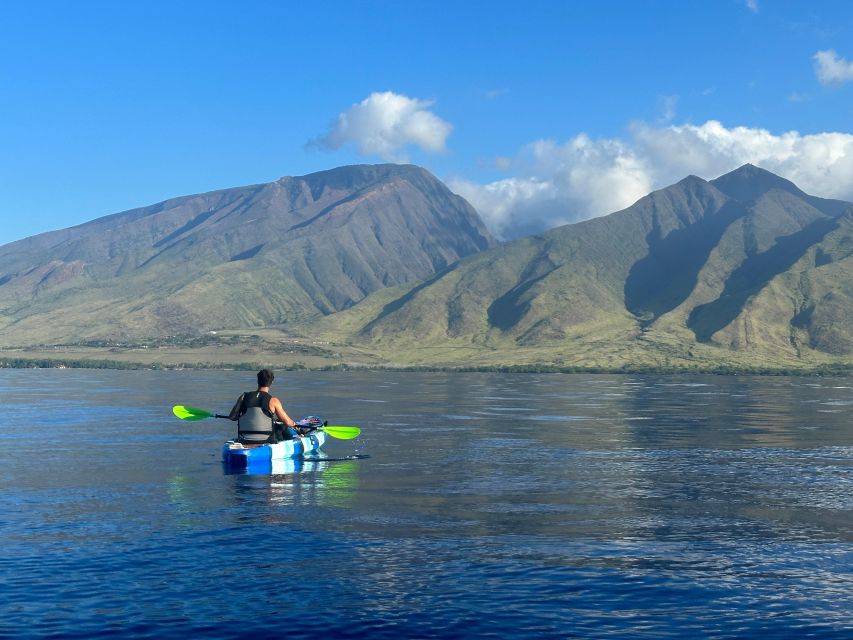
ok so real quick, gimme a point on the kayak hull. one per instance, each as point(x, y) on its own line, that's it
point(292, 466)
point(235, 454)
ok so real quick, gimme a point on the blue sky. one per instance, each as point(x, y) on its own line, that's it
point(540, 113)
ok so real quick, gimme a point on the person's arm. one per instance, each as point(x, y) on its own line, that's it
point(235, 410)
point(278, 410)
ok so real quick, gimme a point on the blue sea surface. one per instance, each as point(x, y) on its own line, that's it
point(491, 505)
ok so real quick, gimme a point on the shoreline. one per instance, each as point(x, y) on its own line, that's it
point(24, 362)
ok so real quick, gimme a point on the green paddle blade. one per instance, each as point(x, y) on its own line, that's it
point(344, 433)
point(191, 413)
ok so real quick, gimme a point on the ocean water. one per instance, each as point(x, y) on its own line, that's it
point(523, 506)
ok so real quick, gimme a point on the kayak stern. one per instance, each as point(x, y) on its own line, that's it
point(238, 455)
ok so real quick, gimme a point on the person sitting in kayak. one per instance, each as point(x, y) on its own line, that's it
point(256, 411)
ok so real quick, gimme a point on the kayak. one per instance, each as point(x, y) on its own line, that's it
point(237, 455)
point(293, 466)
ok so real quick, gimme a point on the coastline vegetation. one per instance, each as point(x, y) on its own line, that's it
point(828, 370)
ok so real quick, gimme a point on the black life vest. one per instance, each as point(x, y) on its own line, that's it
point(255, 420)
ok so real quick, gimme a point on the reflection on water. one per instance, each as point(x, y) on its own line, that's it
point(550, 505)
point(275, 467)
point(307, 481)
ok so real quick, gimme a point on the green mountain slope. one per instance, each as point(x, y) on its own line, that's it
point(744, 269)
point(254, 256)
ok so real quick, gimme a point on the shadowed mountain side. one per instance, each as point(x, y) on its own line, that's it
point(541, 288)
point(776, 214)
point(687, 224)
point(826, 302)
point(827, 321)
point(250, 256)
point(770, 207)
point(753, 275)
point(452, 301)
point(803, 310)
point(637, 286)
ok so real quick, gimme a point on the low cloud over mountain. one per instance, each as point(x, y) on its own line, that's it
point(554, 183)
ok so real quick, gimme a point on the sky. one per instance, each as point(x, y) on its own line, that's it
point(539, 113)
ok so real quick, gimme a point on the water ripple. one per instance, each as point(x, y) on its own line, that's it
point(490, 506)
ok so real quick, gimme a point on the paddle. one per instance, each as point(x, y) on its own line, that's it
point(191, 413)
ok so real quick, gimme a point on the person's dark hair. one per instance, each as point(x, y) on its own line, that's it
point(265, 377)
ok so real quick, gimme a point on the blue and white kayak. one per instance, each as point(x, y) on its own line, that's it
point(239, 455)
point(287, 466)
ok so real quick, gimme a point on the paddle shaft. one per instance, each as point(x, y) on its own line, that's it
point(323, 428)
point(193, 414)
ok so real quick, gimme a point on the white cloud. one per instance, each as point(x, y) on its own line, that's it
point(509, 207)
point(585, 177)
point(384, 123)
point(819, 163)
point(832, 68)
point(557, 184)
point(752, 5)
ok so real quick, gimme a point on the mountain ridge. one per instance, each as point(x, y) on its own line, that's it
point(297, 247)
point(688, 273)
point(385, 263)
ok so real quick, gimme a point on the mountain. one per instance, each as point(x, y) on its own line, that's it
point(296, 248)
point(743, 269)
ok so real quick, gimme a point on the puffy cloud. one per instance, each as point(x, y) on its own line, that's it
point(583, 178)
point(514, 206)
point(384, 123)
point(819, 163)
point(557, 184)
point(832, 68)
